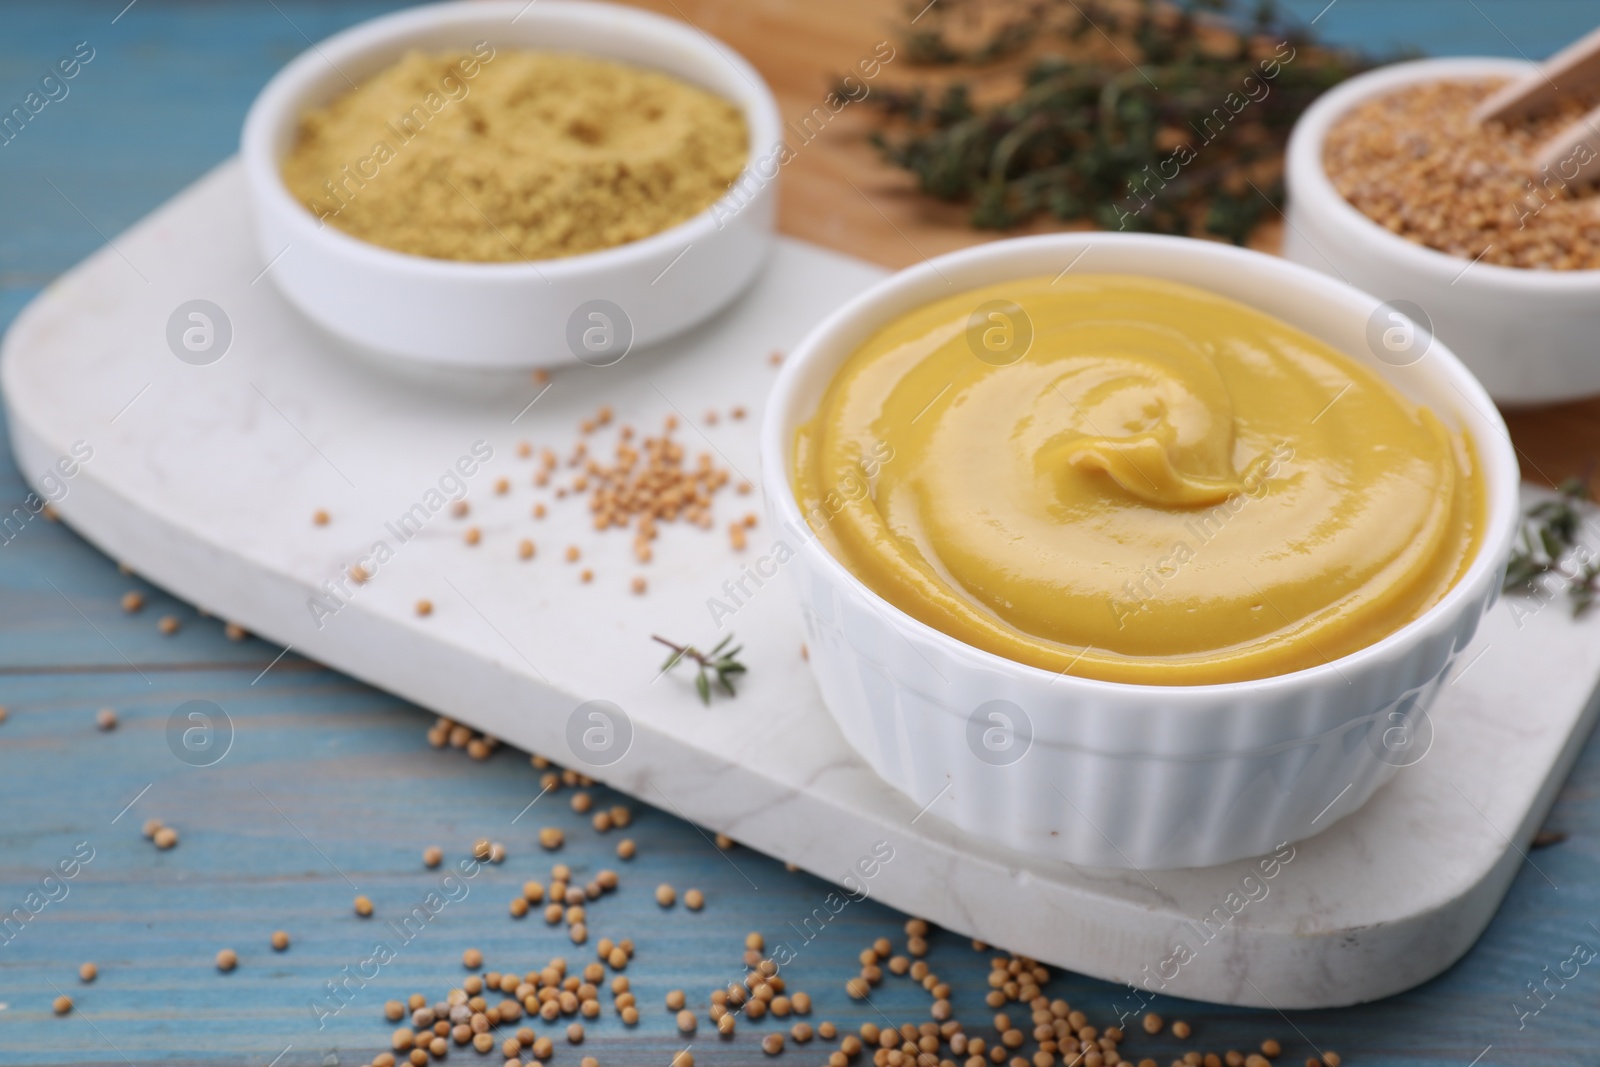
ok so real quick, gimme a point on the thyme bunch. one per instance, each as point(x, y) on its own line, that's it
point(1162, 119)
point(1548, 536)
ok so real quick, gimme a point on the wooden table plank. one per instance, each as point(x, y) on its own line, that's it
point(357, 791)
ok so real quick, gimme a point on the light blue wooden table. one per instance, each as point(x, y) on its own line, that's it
point(330, 786)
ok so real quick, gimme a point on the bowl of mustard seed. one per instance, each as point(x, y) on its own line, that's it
point(506, 184)
point(1394, 187)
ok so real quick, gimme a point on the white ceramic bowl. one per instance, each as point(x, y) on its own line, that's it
point(513, 314)
point(1528, 335)
point(1126, 775)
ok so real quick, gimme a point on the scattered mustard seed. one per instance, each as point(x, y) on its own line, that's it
point(132, 602)
point(424, 607)
point(364, 907)
point(234, 632)
point(88, 972)
point(666, 896)
point(694, 900)
point(432, 856)
point(551, 838)
point(105, 719)
point(472, 959)
point(626, 848)
point(227, 960)
point(1180, 1030)
point(165, 837)
point(280, 940)
point(319, 517)
point(472, 536)
point(686, 1022)
point(62, 1005)
point(168, 625)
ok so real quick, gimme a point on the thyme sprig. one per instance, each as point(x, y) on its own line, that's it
point(720, 663)
point(1548, 537)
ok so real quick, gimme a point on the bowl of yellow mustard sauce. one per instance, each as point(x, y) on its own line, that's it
point(1134, 551)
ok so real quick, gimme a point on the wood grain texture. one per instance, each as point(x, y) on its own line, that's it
point(329, 786)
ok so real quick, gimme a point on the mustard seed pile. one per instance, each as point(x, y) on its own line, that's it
point(1416, 163)
point(647, 482)
point(446, 731)
point(515, 155)
point(540, 1015)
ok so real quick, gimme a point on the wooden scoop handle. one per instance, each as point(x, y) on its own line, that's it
point(1573, 155)
point(1575, 69)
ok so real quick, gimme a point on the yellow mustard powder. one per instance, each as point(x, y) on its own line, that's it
point(514, 155)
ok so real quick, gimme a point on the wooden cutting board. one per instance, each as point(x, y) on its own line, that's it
point(839, 194)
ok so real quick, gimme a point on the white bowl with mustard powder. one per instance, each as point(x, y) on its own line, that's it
point(513, 185)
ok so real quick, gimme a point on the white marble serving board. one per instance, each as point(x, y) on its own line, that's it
point(204, 479)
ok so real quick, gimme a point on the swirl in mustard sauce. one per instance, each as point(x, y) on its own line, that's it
point(1139, 481)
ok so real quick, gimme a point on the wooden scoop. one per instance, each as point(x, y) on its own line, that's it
point(1570, 72)
point(1573, 154)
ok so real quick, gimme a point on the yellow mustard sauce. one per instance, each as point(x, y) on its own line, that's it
point(1136, 481)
